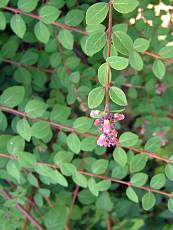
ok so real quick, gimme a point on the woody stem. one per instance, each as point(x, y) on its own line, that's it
point(108, 55)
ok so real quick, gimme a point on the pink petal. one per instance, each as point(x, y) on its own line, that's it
point(94, 113)
point(118, 116)
point(101, 140)
point(96, 122)
point(106, 126)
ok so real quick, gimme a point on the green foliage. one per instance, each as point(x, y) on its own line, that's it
point(124, 6)
point(12, 96)
point(95, 97)
point(97, 13)
point(148, 201)
point(18, 25)
point(42, 32)
point(59, 60)
point(118, 96)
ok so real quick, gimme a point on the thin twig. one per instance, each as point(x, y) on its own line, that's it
point(18, 64)
point(108, 55)
point(7, 196)
point(75, 193)
point(70, 129)
point(58, 24)
point(126, 183)
point(28, 209)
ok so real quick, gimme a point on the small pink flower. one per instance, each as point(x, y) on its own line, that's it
point(101, 140)
point(160, 88)
point(118, 116)
point(106, 126)
point(94, 113)
point(96, 122)
point(114, 133)
point(114, 141)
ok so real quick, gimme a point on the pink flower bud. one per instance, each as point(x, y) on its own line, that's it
point(94, 113)
point(101, 140)
point(118, 116)
point(106, 126)
point(96, 122)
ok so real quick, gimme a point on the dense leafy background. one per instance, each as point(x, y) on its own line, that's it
point(52, 56)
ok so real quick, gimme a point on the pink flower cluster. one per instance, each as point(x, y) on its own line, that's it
point(107, 129)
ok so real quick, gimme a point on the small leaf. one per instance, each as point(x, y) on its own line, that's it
point(18, 25)
point(60, 113)
point(15, 145)
point(118, 96)
point(74, 17)
point(118, 63)
point(13, 170)
point(32, 180)
point(153, 144)
point(104, 202)
point(166, 52)
point(73, 143)
point(67, 169)
point(148, 201)
point(40, 129)
point(102, 74)
point(131, 194)
point(92, 186)
point(82, 124)
point(24, 129)
point(97, 13)
point(122, 42)
point(35, 108)
point(128, 139)
point(139, 179)
point(103, 185)
point(80, 179)
point(141, 44)
point(120, 172)
point(120, 156)
point(60, 179)
point(12, 96)
point(95, 42)
point(170, 204)
point(27, 6)
point(3, 3)
point(88, 143)
point(66, 39)
point(124, 6)
point(26, 160)
point(3, 21)
point(42, 32)
point(169, 171)
point(95, 97)
point(99, 166)
point(159, 69)
point(138, 163)
point(158, 181)
point(49, 14)
point(136, 61)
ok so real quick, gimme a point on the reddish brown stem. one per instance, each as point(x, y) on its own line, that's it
point(157, 56)
point(73, 29)
point(70, 129)
point(18, 64)
point(7, 196)
point(75, 193)
point(126, 183)
point(152, 155)
point(58, 24)
point(108, 55)
point(28, 209)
